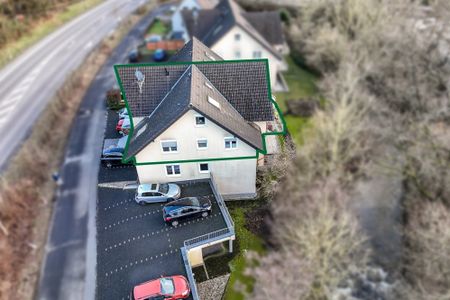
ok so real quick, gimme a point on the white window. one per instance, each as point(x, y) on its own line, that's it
point(169, 146)
point(202, 144)
point(237, 54)
point(203, 168)
point(173, 170)
point(200, 120)
point(257, 54)
point(230, 143)
point(237, 37)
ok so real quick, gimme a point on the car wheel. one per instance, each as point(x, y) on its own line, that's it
point(174, 223)
point(205, 214)
point(141, 203)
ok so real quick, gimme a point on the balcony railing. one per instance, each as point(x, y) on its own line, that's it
point(209, 238)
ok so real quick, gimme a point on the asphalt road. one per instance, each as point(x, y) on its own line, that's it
point(30, 81)
point(68, 270)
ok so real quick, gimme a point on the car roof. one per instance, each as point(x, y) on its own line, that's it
point(189, 201)
point(148, 187)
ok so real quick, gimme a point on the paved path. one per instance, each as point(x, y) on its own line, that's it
point(68, 271)
point(29, 82)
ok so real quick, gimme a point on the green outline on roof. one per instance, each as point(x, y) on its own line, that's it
point(263, 135)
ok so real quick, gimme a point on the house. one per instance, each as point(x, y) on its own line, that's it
point(177, 19)
point(199, 115)
point(235, 34)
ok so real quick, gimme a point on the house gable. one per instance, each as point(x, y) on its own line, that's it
point(216, 23)
point(186, 133)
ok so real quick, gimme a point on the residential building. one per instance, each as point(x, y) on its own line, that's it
point(200, 115)
point(177, 19)
point(234, 34)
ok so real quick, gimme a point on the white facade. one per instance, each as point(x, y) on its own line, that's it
point(238, 44)
point(235, 178)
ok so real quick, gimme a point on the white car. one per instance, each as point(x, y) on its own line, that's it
point(157, 192)
point(123, 113)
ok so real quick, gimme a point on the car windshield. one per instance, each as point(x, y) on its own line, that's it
point(163, 188)
point(167, 287)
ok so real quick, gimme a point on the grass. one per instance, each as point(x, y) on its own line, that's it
point(158, 27)
point(245, 241)
point(301, 84)
point(43, 28)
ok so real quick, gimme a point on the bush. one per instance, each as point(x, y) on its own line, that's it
point(114, 99)
point(302, 108)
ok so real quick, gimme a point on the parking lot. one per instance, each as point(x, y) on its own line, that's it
point(133, 242)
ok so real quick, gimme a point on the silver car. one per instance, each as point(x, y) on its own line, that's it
point(157, 192)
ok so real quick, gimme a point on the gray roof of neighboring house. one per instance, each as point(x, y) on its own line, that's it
point(192, 91)
point(210, 25)
point(268, 24)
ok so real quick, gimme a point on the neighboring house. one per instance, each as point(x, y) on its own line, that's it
point(203, 117)
point(177, 19)
point(235, 34)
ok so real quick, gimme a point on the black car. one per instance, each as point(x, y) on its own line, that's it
point(184, 208)
point(113, 157)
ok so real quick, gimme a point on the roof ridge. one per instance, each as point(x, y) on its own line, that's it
point(171, 89)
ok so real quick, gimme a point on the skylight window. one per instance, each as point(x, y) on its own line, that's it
point(141, 130)
point(209, 56)
point(217, 29)
point(207, 84)
point(213, 102)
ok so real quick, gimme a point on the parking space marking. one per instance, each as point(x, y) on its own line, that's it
point(140, 261)
point(166, 229)
point(136, 217)
point(118, 204)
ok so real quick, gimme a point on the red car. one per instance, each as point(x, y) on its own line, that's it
point(119, 125)
point(164, 288)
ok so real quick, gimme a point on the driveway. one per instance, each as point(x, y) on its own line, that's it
point(133, 242)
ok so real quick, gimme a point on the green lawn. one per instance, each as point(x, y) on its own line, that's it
point(301, 84)
point(247, 241)
point(41, 29)
point(158, 27)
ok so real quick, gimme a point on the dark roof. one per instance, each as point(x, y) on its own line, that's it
point(268, 24)
point(210, 25)
point(194, 50)
point(243, 83)
point(192, 91)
